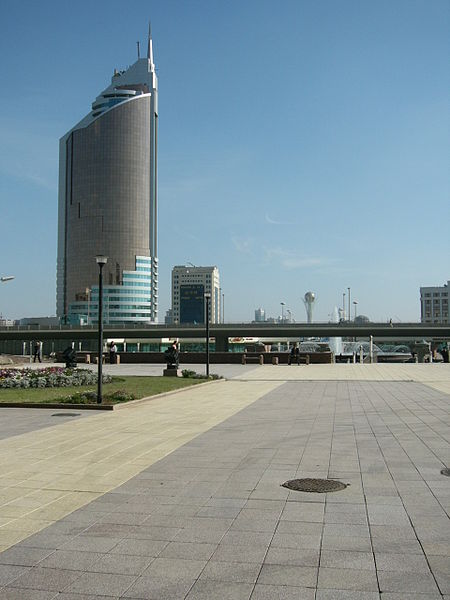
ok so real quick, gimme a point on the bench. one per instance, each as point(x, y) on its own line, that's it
point(83, 358)
point(106, 359)
point(258, 359)
point(299, 359)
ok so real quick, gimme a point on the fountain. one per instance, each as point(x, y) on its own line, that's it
point(335, 343)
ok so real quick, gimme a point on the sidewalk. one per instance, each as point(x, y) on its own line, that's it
point(180, 497)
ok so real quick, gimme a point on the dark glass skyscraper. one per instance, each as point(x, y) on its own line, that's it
point(108, 203)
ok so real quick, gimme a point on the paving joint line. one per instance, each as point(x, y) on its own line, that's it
point(366, 508)
point(403, 505)
point(407, 426)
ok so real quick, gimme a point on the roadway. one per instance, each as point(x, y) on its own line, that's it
point(224, 331)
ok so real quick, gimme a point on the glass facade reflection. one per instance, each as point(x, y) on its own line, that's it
point(131, 301)
point(108, 203)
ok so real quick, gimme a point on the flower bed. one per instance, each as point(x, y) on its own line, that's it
point(49, 377)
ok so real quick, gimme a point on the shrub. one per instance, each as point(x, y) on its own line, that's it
point(87, 397)
point(119, 396)
point(187, 373)
point(193, 375)
point(90, 397)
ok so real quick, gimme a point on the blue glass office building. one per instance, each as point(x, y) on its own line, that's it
point(108, 203)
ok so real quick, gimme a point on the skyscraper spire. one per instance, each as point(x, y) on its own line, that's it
point(150, 44)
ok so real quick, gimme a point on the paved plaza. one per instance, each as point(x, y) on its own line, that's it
point(180, 497)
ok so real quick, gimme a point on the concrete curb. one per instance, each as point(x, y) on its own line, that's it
point(56, 405)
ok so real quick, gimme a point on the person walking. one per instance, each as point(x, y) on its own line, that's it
point(37, 351)
point(112, 353)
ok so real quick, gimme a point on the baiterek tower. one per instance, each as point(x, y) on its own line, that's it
point(107, 203)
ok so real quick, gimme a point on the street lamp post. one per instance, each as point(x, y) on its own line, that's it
point(349, 306)
point(343, 305)
point(282, 311)
point(101, 261)
point(207, 298)
point(88, 296)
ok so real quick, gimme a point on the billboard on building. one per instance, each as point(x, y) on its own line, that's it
point(192, 303)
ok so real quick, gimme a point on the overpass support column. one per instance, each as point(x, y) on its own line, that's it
point(221, 343)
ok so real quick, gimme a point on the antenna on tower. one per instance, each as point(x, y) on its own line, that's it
point(150, 44)
point(139, 49)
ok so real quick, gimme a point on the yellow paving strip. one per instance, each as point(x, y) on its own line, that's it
point(49, 473)
point(440, 386)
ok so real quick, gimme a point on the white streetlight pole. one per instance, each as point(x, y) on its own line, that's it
point(349, 306)
point(5, 279)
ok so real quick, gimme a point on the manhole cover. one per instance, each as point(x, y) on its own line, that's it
point(66, 415)
point(320, 486)
point(445, 472)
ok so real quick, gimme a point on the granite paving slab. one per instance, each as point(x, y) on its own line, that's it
point(211, 520)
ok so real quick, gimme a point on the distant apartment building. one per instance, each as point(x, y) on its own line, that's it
point(189, 286)
point(434, 304)
point(41, 321)
point(6, 322)
point(260, 315)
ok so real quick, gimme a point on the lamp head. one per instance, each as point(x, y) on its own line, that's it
point(101, 260)
point(207, 295)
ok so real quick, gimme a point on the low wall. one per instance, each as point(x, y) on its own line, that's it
point(190, 358)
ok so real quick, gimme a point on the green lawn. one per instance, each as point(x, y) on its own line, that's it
point(140, 387)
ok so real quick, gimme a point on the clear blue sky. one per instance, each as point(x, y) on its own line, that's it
point(303, 145)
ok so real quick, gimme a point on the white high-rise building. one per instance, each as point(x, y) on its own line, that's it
point(189, 285)
point(434, 304)
point(309, 300)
